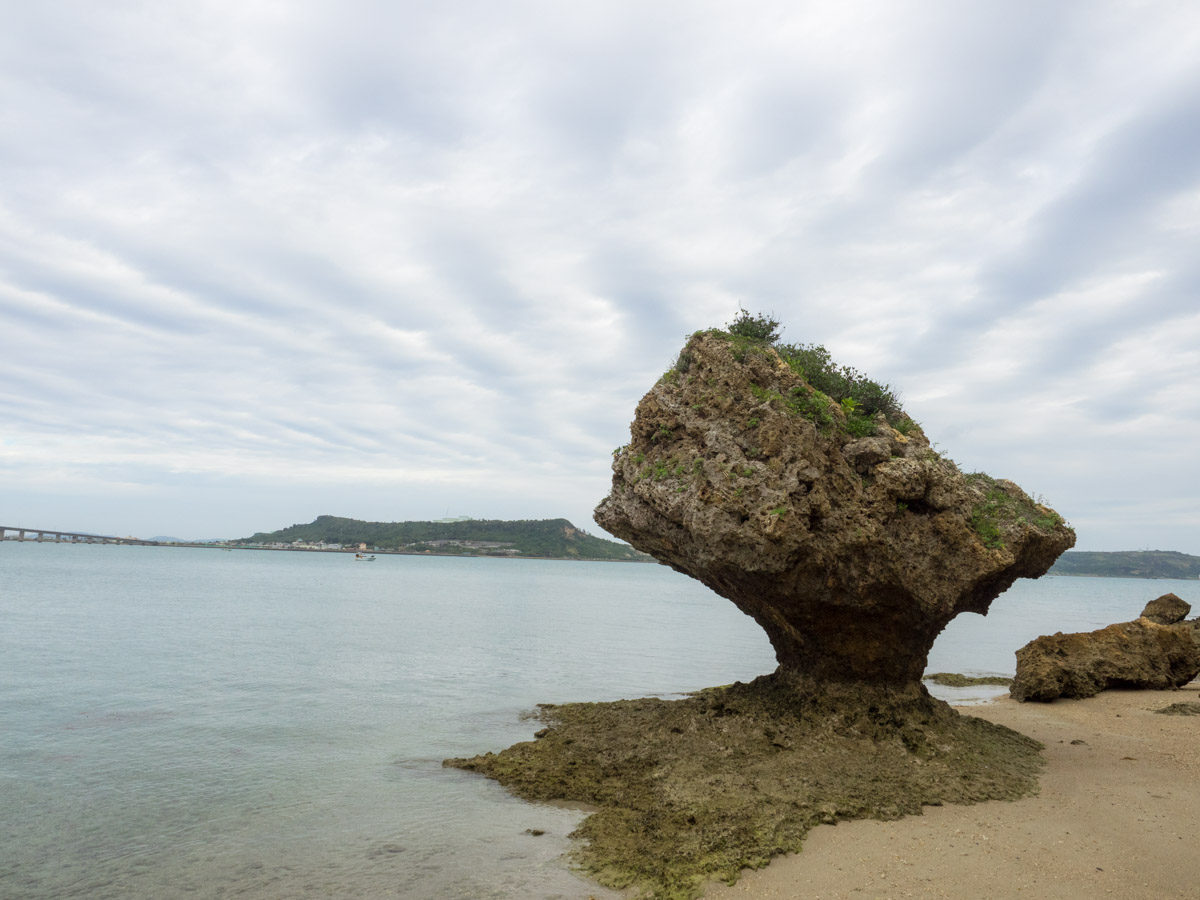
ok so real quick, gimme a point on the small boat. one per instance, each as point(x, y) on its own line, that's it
point(359, 557)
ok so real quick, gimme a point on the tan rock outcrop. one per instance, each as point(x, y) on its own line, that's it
point(1166, 610)
point(852, 552)
point(1156, 651)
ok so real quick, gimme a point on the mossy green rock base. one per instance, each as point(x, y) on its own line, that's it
point(1187, 708)
point(955, 679)
point(700, 788)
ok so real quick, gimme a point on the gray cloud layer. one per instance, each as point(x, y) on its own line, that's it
point(264, 261)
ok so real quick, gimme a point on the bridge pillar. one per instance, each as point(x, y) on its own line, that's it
point(22, 537)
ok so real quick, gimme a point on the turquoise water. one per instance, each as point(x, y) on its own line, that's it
point(198, 723)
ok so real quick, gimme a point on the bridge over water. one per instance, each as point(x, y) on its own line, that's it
point(71, 537)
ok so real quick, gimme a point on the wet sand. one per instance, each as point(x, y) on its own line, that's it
point(1118, 816)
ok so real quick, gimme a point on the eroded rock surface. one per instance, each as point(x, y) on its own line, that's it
point(703, 787)
point(1156, 651)
point(1186, 708)
point(853, 553)
point(1166, 610)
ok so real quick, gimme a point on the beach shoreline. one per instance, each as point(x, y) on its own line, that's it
point(1116, 816)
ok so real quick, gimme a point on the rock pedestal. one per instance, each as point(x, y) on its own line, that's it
point(853, 551)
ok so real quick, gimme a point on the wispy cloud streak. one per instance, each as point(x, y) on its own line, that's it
point(263, 261)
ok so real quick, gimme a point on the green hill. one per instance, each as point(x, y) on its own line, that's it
point(1128, 564)
point(556, 538)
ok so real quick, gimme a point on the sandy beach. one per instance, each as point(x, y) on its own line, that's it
point(1118, 816)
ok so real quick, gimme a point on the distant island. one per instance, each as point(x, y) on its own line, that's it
point(168, 539)
point(542, 538)
point(1128, 564)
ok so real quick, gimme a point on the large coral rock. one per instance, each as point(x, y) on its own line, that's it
point(852, 544)
point(1156, 651)
point(853, 553)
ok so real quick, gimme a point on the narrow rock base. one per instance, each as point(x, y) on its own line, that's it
point(701, 788)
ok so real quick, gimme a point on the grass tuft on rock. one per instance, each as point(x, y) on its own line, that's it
point(860, 397)
point(1003, 507)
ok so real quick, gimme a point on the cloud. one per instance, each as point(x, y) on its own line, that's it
point(422, 258)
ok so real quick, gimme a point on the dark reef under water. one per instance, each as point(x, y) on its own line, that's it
point(700, 788)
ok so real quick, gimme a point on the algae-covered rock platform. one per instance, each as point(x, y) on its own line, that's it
point(800, 491)
point(703, 787)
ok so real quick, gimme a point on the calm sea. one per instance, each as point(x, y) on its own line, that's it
point(199, 723)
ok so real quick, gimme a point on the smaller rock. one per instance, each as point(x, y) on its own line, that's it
point(536, 832)
point(1138, 654)
point(1166, 610)
point(1187, 708)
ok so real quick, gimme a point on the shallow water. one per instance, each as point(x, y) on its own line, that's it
point(196, 723)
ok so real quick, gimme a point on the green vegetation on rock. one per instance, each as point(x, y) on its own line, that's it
point(762, 327)
point(1003, 507)
point(861, 399)
point(555, 538)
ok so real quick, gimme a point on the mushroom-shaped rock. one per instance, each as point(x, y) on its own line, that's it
point(802, 493)
point(845, 536)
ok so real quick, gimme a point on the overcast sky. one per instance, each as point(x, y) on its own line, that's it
point(261, 261)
